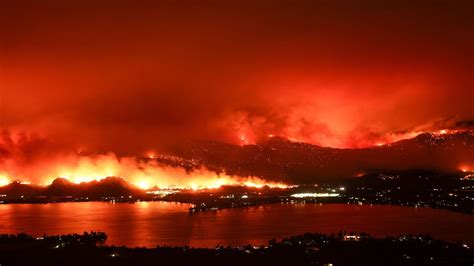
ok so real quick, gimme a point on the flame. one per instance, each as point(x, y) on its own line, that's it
point(151, 155)
point(359, 174)
point(390, 138)
point(4, 180)
point(246, 134)
point(142, 173)
point(244, 140)
point(143, 184)
point(465, 168)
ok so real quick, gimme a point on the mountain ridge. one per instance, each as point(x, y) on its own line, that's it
point(280, 159)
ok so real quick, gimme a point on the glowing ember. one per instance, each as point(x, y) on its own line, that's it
point(390, 138)
point(465, 168)
point(360, 174)
point(243, 140)
point(151, 155)
point(314, 195)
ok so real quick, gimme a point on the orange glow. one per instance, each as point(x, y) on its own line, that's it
point(329, 93)
point(248, 129)
point(252, 184)
point(243, 140)
point(141, 173)
point(143, 184)
point(4, 180)
point(151, 155)
point(248, 136)
point(361, 174)
point(258, 183)
point(465, 168)
point(391, 138)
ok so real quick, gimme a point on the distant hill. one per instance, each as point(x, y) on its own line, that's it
point(60, 187)
point(279, 159)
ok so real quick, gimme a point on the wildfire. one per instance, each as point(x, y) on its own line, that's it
point(151, 155)
point(359, 174)
point(243, 140)
point(216, 181)
point(248, 137)
point(143, 184)
point(397, 137)
point(145, 174)
point(4, 180)
point(465, 168)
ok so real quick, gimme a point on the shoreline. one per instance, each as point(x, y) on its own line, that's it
point(304, 249)
point(197, 207)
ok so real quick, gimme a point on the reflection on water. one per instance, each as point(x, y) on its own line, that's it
point(152, 223)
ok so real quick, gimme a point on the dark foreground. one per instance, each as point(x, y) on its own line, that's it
point(307, 249)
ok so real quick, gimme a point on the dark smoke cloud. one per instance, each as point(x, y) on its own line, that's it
point(130, 77)
point(465, 124)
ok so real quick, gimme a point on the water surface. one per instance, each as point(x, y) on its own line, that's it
point(152, 223)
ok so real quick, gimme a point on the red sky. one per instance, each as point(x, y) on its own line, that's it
point(130, 76)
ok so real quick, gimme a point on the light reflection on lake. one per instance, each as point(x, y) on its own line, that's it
point(152, 223)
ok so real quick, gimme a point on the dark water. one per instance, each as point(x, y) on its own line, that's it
point(152, 223)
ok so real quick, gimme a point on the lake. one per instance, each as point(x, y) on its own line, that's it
point(164, 223)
